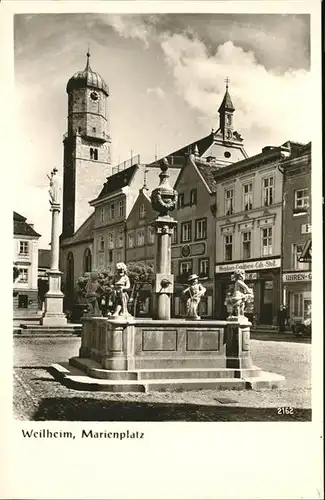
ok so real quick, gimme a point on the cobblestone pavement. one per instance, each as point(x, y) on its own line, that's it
point(37, 396)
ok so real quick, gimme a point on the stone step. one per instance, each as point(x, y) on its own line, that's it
point(74, 378)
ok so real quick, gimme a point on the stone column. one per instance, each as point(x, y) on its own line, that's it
point(53, 315)
point(164, 280)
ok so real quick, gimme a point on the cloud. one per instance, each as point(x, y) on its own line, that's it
point(269, 106)
point(159, 92)
point(137, 27)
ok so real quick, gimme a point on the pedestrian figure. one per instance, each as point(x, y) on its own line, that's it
point(282, 317)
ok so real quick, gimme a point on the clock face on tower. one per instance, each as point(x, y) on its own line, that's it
point(94, 96)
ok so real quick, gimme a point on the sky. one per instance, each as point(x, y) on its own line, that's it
point(166, 74)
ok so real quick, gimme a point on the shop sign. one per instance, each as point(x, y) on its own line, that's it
point(296, 277)
point(248, 266)
point(249, 277)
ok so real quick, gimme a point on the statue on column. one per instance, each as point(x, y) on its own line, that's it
point(121, 284)
point(242, 297)
point(54, 190)
point(195, 292)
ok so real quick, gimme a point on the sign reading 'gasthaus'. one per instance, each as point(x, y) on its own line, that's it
point(248, 266)
point(294, 277)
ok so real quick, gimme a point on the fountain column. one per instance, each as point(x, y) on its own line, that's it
point(163, 199)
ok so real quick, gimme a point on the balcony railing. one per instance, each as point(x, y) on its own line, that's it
point(133, 160)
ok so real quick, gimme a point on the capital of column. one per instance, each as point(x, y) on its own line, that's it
point(164, 225)
point(55, 207)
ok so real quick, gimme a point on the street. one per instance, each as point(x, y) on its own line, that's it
point(37, 396)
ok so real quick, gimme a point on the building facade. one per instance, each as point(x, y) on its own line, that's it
point(86, 144)
point(25, 257)
point(296, 275)
point(249, 228)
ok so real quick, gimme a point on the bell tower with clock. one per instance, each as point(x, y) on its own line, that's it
point(226, 112)
point(86, 162)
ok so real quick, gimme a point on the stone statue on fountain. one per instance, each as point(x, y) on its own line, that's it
point(121, 284)
point(195, 291)
point(242, 298)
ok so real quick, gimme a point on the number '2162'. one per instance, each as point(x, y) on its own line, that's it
point(285, 410)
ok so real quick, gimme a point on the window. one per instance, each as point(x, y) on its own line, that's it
point(101, 244)
point(229, 201)
point(268, 191)
point(120, 238)
point(121, 208)
point(91, 153)
point(247, 197)
point(204, 267)
point(174, 235)
point(266, 241)
point(296, 253)
point(110, 256)
point(112, 211)
point(228, 246)
point(200, 229)
point(23, 248)
point(185, 267)
point(95, 154)
point(247, 237)
point(119, 256)
point(23, 275)
point(111, 240)
point(180, 200)
point(23, 301)
point(79, 130)
point(94, 129)
point(140, 238)
point(151, 235)
point(102, 214)
point(142, 212)
point(193, 197)
point(87, 261)
point(131, 240)
point(70, 274)
point(302, 199)
point(186, 231)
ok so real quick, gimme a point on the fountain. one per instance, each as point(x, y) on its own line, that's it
point(121, 353)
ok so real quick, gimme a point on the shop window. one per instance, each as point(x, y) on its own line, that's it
point(186, 231)
point(200, 229)
point(22, 301)
point(247, 197)
point(23, 248)
point(229, 201)
point(296, 254)
point(267, 238)
point(193, 197)
point(247, 237)
point(268, 191)
point(228, 246)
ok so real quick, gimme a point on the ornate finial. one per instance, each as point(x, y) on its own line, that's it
point(164, 197)
point(196, 150)
point(227, 82)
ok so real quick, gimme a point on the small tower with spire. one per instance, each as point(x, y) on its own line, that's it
point(226, 112)
point(86, 145)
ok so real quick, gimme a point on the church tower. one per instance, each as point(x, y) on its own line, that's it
point(86, 162)
point(226, 112)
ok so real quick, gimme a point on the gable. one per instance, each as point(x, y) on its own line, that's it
point(190, 178)
point(133, 220)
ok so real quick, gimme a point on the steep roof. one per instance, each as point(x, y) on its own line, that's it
point(22, 228)
point(202, 145)
point(44, 258)
point(118, 181)
point(207, 171)
point(83, 234)
point(227, 103)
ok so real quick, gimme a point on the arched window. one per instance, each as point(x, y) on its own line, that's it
point(91, 153)
point(70, 273)
point(87, 261)
point(95, 154)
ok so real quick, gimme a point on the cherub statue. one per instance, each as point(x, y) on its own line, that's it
point(54, 190)
point(195, 292)
point(93, 292)
point(121, 284)
point(242, 295)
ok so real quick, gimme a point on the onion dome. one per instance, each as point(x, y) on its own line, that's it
point(87, 79)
